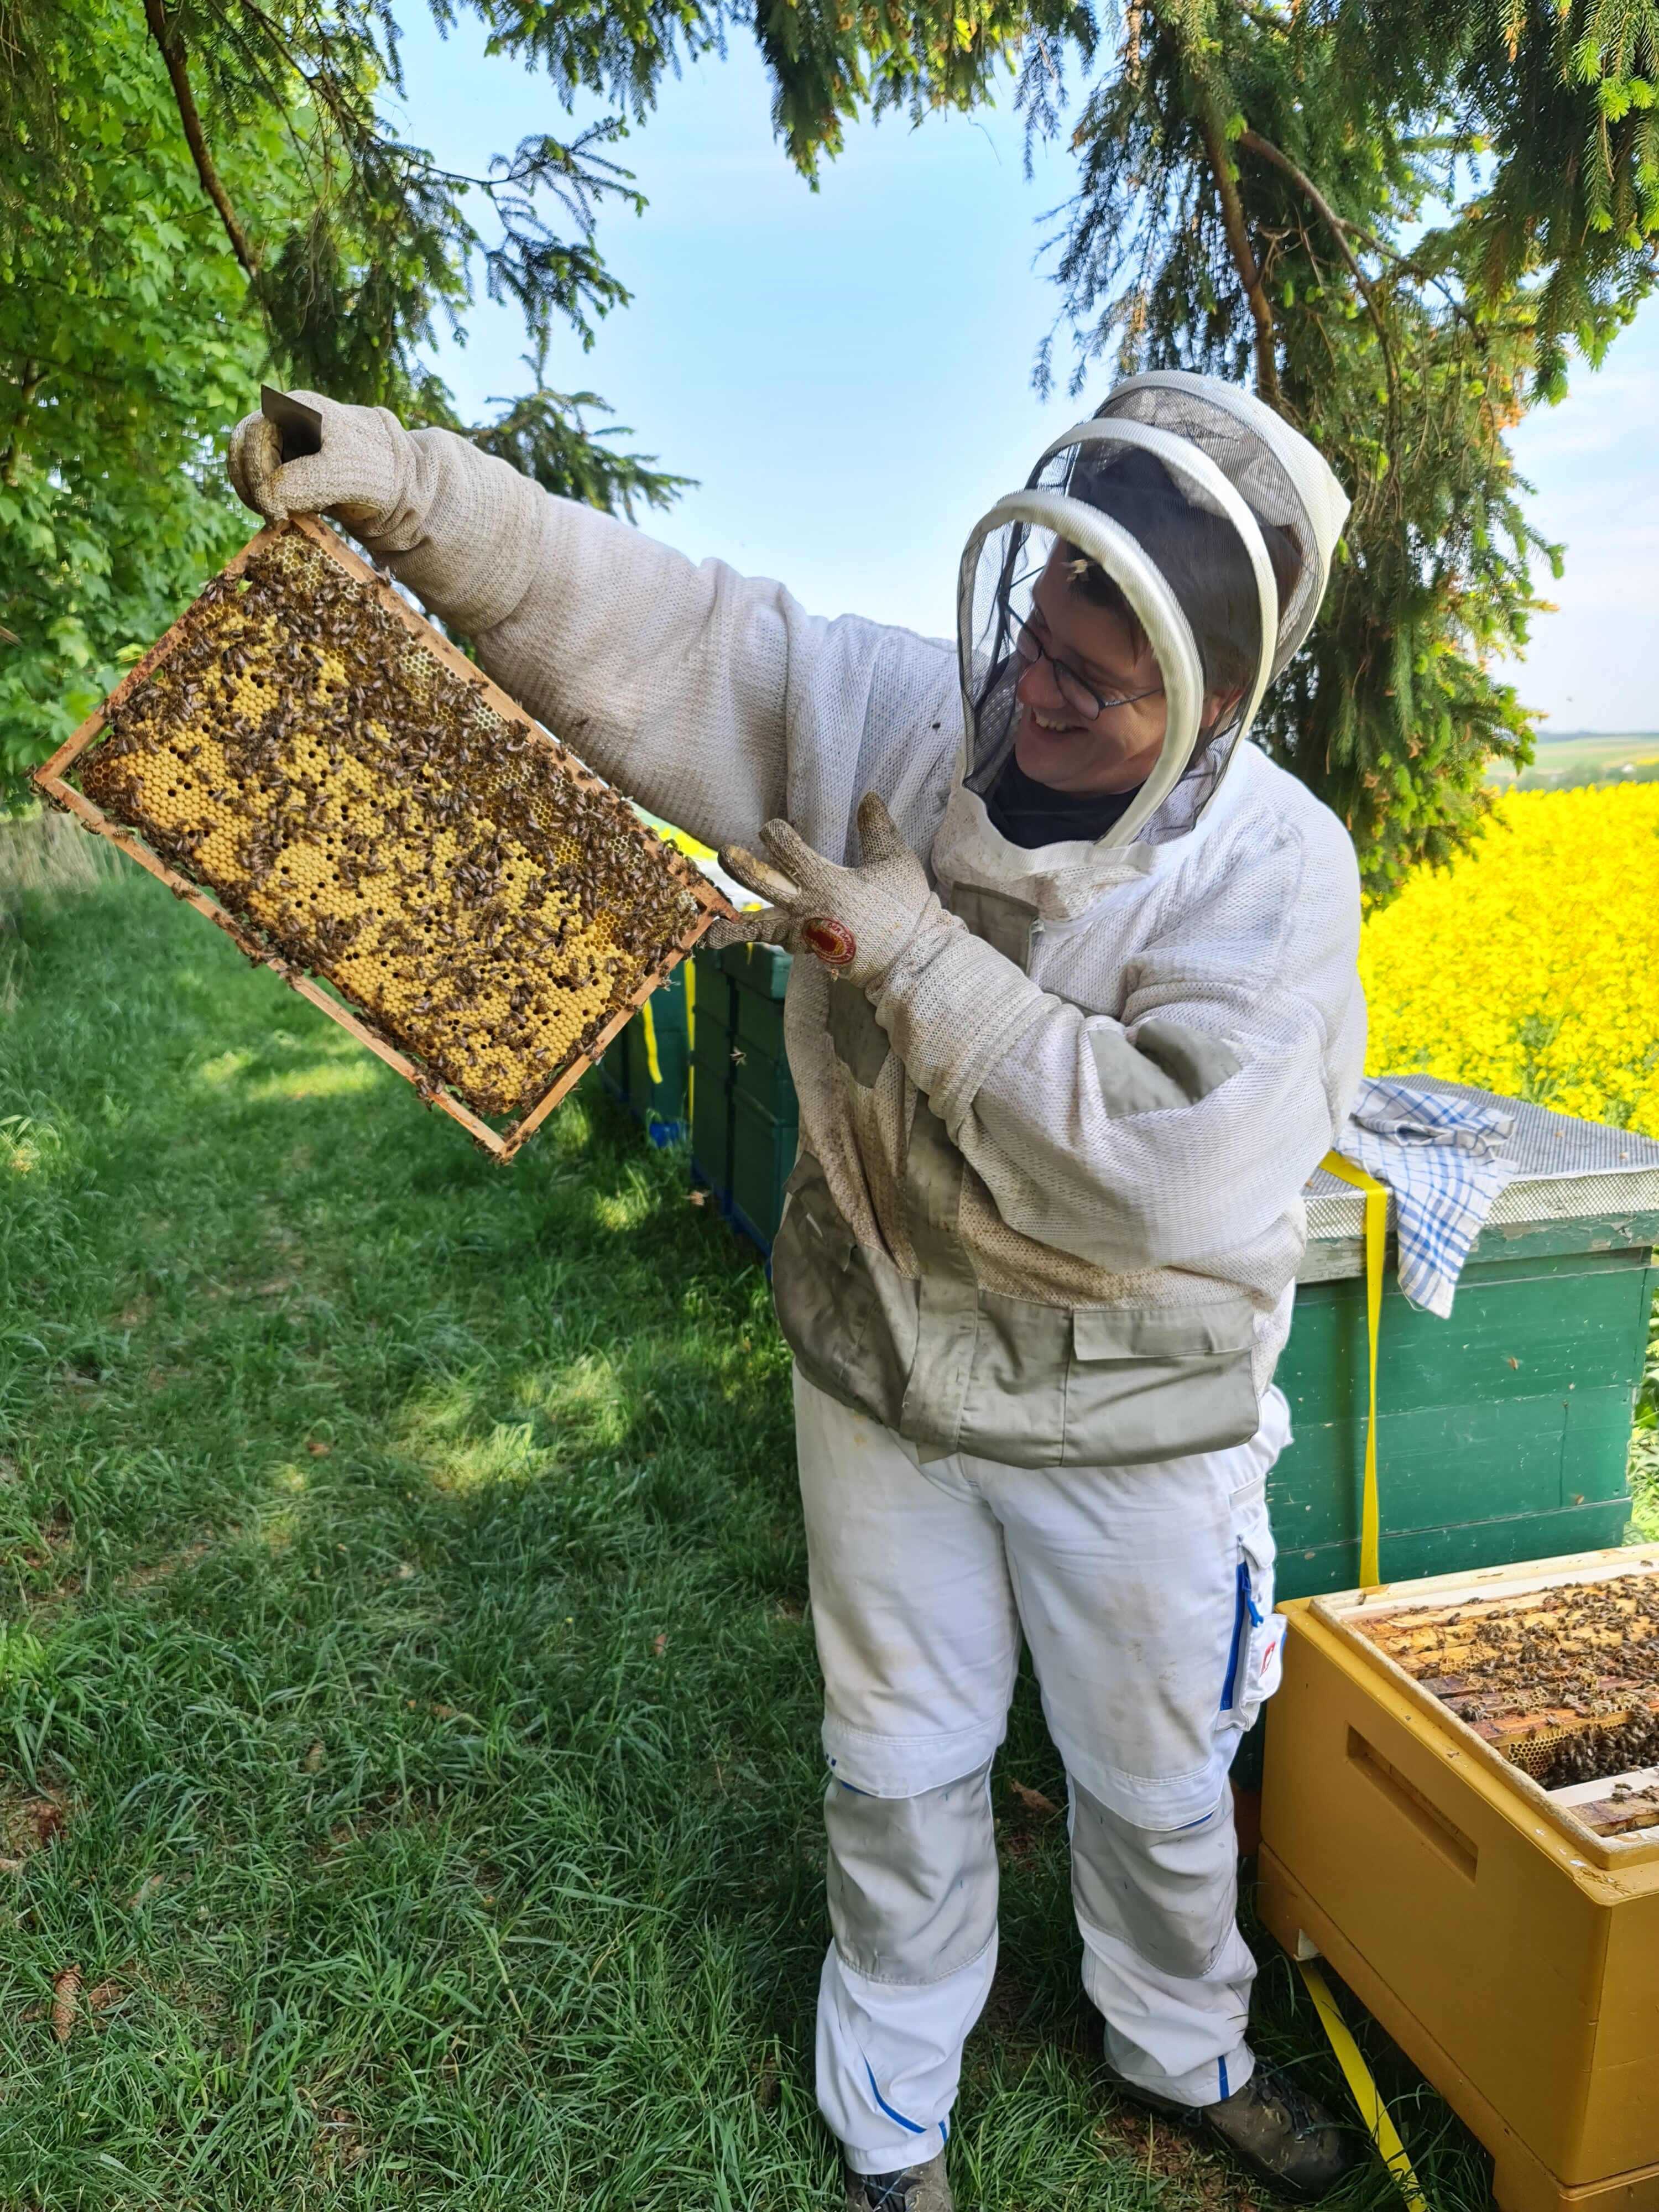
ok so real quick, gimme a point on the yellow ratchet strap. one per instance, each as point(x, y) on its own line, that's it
point(689, 969)
point(1372, 2109)
point(1376, 1231)
point(652, 1065)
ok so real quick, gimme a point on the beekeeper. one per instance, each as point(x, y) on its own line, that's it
point(1080, 1019)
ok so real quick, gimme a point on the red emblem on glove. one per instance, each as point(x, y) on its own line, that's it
point(832, 941)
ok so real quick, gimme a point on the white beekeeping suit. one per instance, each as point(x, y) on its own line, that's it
point(1056, 1112)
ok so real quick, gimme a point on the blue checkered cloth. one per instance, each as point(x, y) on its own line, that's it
point(1438, 1155)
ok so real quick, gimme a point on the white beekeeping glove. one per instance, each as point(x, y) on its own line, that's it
point(859, 921)
point(357, 475)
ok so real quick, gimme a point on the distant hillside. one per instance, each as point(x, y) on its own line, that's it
point(1570, 760)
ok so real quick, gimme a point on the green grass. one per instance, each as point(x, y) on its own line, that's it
point(408, 1713)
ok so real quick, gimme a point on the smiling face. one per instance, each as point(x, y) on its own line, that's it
point(1055, 741)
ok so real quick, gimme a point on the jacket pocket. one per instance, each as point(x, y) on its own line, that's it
point(847, 1314)
point(859, 1040)
point(1255, 1655)
point(1159, 1382)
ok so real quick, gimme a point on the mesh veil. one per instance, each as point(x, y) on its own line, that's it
point(1010, 553)
point(1283, 480)
point(1212, 519)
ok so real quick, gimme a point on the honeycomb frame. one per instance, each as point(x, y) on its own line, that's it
point(686, 891)
point(1560, 1680)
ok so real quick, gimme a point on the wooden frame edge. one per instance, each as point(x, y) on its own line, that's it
point(49, 779)
point(512, 1137)
point(93, 818)
point(49, 773)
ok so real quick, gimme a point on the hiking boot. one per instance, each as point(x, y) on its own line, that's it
point(1283, 2134)
point(913, 2189)
point(1285, 2137)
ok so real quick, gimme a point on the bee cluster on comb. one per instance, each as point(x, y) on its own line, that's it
point(365, 808)
point(1563, 1682)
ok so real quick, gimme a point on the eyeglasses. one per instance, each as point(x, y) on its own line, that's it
point(1072, 689)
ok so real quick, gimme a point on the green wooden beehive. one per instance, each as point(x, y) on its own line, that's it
point(745, 1123)
point(648, 1064)
point(1502, 1433)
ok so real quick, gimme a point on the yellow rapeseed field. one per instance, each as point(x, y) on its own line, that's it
point(1532, 967)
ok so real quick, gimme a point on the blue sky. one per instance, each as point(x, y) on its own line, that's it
point(847, 372)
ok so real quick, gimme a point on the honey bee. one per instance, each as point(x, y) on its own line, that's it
point(314, 746)
point(1566, 1679)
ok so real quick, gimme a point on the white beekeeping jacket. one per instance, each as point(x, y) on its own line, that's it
point(1047, 1204)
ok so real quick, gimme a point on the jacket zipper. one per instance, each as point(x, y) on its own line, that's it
point(1245, 1609)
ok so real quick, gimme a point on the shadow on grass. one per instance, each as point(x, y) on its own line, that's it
point(408, 1695)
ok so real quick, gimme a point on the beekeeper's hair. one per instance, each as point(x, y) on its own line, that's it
point(1198, 551)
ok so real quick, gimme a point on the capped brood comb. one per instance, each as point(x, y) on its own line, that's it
point(313, 766)
point(1563, 1680)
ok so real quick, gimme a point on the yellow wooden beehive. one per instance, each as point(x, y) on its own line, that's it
point(313, 766)
point(1501, 1924)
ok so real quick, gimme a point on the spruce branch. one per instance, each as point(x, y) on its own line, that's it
point(171, 50)
point(1238, 245)
point(1253, 143)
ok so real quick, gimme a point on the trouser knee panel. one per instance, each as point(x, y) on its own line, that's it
point(1170, 1895)
point(912, 1881)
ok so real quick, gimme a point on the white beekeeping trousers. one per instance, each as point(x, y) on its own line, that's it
point(1146, 1596)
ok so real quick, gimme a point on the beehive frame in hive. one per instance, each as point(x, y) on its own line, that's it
point(1562, 1677)
point(1399, 1629)
point(458, 892)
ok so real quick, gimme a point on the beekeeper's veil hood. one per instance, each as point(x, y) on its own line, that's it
point(1214, 519)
